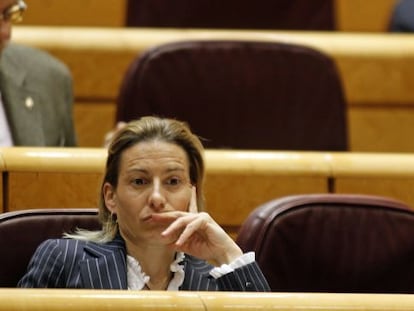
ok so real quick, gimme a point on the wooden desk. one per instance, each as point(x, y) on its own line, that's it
point(55, 177)
point(379, 174)
point(350, 15)
point(236, 182)
point(97, 300)
point(377, 70)
point(360, 15)
point(90, 13)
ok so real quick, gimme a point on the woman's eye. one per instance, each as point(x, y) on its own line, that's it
point(173, 181)
point(139, 181)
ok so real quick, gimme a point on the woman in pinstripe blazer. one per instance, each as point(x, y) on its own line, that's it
point(153, 234)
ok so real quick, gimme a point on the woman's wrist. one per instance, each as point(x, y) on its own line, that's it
point(239, 262)
point(230, 255)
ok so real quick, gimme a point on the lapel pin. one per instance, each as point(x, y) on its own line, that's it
point(29, 103)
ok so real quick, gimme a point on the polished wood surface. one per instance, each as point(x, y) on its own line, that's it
point(360, 15)
point(381, 174)
point(108, 13)
point(57, 160)
point(97, 300)
point(350, 15)
point(93, 120)
point(108, 52)
point(381, 128)
point(353, 164)
point(236, 181)
point(52, 177)
point(376, 70)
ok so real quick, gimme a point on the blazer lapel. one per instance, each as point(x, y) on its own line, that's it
point(106, 266)
point(21, 104)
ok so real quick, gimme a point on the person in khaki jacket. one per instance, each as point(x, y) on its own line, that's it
point(36, 90)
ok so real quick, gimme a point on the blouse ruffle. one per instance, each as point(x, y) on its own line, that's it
point(137, 277)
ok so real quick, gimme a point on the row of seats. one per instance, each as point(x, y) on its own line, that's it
point(372, 68)
point(255, 177)
point(321, 228)
point(316, 119)
point(264, 95)
point(343, 15)
point(331, 243)
point(232, 14)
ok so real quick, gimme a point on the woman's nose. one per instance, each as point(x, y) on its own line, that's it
point(157, 198)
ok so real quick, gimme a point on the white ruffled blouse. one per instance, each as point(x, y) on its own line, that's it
point(137, 279)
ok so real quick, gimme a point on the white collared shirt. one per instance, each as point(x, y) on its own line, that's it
point(137, 278)
point(5, 133)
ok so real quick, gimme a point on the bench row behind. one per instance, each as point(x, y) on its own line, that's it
point(236, 181)
point(350, 15)
point(376, 70)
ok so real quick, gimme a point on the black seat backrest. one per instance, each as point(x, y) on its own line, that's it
point(333, 243)
point(241, 94)
point(21, 232)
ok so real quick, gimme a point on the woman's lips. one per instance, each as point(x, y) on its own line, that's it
point(147, 218)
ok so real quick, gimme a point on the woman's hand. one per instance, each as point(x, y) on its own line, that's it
point(199, 235)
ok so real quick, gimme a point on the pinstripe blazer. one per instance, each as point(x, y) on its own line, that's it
point(70, 263)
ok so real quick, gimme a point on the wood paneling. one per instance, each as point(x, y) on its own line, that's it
point(376, 70)
point(88, 13)
point(27, 190)
point(362, 15)
point(350, 15)
point(236, 181)
point(382, 128)
point(93, 120)
point(50, 178)
point(379, 174)
point(99, 300)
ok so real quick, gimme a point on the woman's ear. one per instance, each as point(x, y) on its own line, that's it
point(109, 197)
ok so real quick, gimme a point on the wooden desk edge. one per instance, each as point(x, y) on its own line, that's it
point(290, 163)
point(79, 299)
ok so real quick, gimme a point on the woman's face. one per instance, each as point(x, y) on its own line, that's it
point(153, 178)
